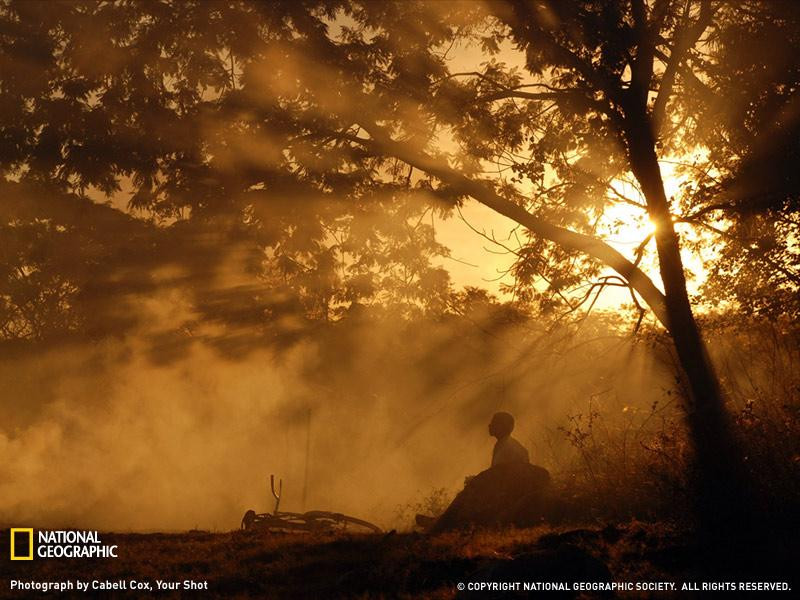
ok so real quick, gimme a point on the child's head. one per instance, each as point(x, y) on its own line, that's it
point(501, 425)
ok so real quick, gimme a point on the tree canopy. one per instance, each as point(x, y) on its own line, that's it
point(327, 133)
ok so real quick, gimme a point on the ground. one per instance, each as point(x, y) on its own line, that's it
point(243, 564)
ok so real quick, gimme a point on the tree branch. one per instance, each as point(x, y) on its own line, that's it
point(684, 39)
point(642, 63)
point(482, 192)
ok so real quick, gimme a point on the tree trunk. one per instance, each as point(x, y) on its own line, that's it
point(722, 488)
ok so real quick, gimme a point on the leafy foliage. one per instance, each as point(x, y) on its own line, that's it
point(257, 122)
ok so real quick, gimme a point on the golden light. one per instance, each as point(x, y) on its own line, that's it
point(626, 226)
point(625, 218)
point(623, 224)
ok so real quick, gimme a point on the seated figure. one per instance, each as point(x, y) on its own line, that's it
point(510, 492)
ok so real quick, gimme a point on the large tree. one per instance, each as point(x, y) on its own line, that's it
point(302, 122)
point(602, 89)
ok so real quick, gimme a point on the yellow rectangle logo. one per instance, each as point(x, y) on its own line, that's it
point(21, 531)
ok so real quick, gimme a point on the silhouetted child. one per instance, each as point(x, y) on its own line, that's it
point(507, 449)
point(510, 492)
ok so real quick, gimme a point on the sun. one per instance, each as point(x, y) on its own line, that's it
point(625, 220)
point(626, 226)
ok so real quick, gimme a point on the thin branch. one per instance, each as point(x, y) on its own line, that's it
point(684, 38)
point(640, 249)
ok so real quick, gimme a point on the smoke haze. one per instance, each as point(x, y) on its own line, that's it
point(376, 411)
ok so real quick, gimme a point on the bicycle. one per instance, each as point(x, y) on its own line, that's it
point(313, 521)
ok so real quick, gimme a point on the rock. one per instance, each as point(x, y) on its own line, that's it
point(509, 494)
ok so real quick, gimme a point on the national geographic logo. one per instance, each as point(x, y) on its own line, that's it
point(22, 543)
point(58, 544)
